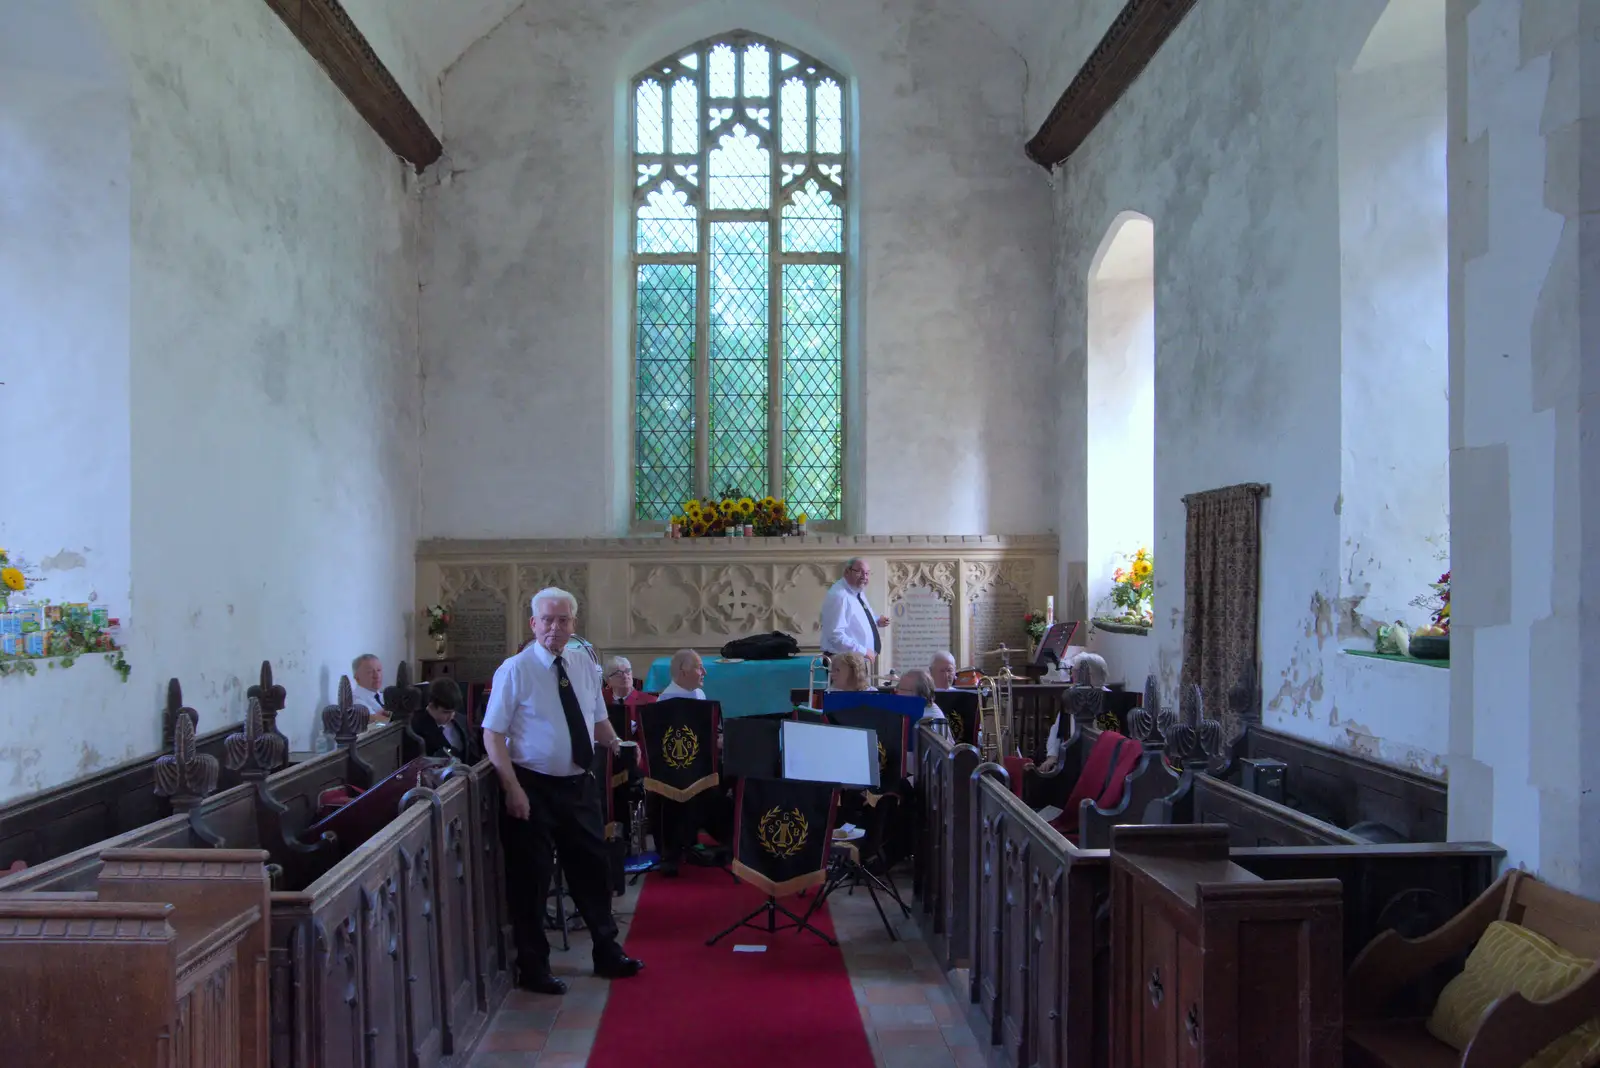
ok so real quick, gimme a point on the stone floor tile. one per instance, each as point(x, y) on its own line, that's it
point(503, 1060)
point(894, 994)
point(901, 1015)
point(970, 1057)
point(506, 1040)
point(551, 1059)
point(524, 1019)
point(577, 1018)
point(901, 1037)
point(574, 1040)
point(918, 1057)
point(958, 1035)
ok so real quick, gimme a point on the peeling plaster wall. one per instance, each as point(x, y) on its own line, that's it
point(64, 210)
point(1394, 266)
point(526, 290)
point(1229, 143)
point(274, 404)
point(1525, 458)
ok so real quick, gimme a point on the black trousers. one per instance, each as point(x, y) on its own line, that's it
point(564, 821)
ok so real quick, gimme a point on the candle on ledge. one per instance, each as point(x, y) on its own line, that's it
point(1050, 610)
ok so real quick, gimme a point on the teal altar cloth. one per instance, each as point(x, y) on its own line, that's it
point(748, 688)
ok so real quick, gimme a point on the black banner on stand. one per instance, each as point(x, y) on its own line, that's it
point(678, 747)
point(893, 730)
point(783, 831)
point(960, 708)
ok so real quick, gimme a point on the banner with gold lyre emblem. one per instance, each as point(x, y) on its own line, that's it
point(782, 831)
point(678, 747)
point(960, 708)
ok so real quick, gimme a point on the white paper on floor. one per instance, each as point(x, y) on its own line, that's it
point(749, 949)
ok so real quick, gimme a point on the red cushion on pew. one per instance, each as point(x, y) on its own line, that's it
point(16, 866)
point(1014, 766)
point(336, 798)
point(1101, 781)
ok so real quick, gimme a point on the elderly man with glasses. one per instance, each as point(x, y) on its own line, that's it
point(849, 625)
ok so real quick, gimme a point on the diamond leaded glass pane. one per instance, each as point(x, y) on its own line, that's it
point(812, 222)
point(685, 116)
point(664, 403)
point(830, 117)
point(647, 117)
point(722, 70)
point(738, 430)
point(741, 170)
point(792, 107)
point(813, 335)
point(757, 71)
point(667, 222)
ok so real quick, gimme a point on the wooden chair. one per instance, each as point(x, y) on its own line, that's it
point(1382, 1028)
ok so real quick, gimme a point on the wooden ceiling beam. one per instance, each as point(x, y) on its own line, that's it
point(1137, 33)
point(326, 31)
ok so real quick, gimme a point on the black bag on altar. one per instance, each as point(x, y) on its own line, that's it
point(782, 832)
point(960, 708)
point(678, 746)
point(774, 646)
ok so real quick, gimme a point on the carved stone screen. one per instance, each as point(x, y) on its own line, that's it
point(921, 627)
point(997, 619)
point(478, 634)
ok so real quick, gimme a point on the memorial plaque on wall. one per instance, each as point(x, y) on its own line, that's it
point(997, 620)
point(477, 634)
point(921, 627)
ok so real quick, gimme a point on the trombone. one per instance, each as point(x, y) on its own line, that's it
point(997, 706)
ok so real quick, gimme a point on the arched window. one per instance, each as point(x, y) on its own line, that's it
point(739, 236)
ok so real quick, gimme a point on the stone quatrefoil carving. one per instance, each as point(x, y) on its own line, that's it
point(671, 599)
point(938, 576)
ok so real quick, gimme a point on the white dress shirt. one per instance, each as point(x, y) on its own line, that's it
point(362, 696)
point(525, 706)
point(845, 627)
point(674, 690)
point(1052, 744)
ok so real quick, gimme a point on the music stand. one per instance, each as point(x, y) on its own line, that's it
point(774, 848)
point(1054, 644)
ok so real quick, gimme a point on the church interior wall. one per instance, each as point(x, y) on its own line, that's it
point(270, 368)
point(525, 297)
point(1229, 144)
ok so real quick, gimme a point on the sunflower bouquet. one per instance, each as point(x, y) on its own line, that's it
point(1132, 589)
point(712, 517)
point(14, 578)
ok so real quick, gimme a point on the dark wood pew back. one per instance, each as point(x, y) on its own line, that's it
point(1347, 789)
point(66, 818)
point(944, 855)
point(1251, 820)
point(1039, 968)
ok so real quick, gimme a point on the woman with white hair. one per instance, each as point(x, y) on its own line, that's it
point(1086, 669)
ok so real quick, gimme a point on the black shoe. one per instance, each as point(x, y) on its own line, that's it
point(541, 982)
point(616, 965)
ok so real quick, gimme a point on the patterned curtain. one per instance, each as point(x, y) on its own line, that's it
point(1222, 584)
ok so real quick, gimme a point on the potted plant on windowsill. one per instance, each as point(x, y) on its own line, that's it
point(438, 628)
point(1432, 642)
point(1131, 595)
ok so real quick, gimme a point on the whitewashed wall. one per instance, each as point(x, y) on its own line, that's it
point(1525, 458)
point(1229, 143)
point(273, 388)
point(525, 298)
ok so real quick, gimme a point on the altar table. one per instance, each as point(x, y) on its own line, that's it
point(748, 688)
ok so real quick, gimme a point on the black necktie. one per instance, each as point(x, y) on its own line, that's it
point(877, 639)
point(577, 725)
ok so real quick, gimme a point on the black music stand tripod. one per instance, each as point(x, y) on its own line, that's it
point(770, 909)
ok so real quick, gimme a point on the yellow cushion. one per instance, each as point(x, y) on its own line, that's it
point(1507, 959)
point(1578, 1048)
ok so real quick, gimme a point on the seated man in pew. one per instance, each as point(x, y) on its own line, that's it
point(942, 670)
point(366, 674)
point(442, 727)
point(688, 676)
point(543, 722)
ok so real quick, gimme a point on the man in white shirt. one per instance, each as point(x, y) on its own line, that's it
point(544, 717)
point(367, 689)
point(848, 623)
point(688, 676)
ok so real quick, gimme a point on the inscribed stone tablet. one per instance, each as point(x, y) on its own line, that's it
point(921, 627)
point(478, 640)
point(996, 620)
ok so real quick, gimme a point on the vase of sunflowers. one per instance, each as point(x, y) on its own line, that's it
point(1132, 590)
point(712, 517)
point(13, 578)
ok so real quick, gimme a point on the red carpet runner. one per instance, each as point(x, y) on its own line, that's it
point(699, 1006)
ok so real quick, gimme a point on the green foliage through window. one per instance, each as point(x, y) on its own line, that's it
point(739, 245)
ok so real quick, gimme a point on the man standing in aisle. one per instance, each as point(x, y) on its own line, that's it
point(544, 717)
point(848, 623)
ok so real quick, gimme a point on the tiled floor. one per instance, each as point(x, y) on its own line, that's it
point(910, 1014)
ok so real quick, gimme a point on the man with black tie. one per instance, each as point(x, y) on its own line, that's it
point(849, 624)
point(441, 726)
point(544, 717)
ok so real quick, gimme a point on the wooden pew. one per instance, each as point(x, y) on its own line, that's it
point(1039, 967)
point(1150, 791)
point(943, 858)
point(163, 964)
point(396, 951)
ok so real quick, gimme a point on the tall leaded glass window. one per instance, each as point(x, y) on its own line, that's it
point(738, 241)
